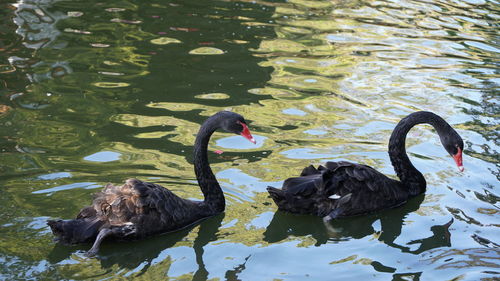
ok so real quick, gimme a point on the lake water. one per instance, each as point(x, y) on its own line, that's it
point(93, 92)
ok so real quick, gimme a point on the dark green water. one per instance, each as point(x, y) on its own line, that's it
point(94, 92)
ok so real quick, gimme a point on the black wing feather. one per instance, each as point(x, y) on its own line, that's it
point(339, 188)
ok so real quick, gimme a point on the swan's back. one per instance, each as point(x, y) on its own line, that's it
point(339, 189)
point(150, 207)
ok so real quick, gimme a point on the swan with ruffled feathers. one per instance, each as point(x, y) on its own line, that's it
point(139, 209)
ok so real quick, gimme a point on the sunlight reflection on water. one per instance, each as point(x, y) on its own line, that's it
point(103, 156)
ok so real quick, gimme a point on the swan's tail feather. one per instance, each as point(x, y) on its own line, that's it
point(276, 194)
point(310, 170)
point(289, 203)
point(75, 231)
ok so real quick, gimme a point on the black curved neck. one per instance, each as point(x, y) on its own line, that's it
point(409, 175)
point(214, 197)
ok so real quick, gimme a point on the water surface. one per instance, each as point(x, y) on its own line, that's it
point(94, 92)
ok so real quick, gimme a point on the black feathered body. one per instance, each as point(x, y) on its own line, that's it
point(134, 210)
point(340, 189)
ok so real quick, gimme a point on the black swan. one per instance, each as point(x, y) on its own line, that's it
point(138, 209)
point(344, 189)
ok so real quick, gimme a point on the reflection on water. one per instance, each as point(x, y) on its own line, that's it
point(390, 226)
point(94, 92)
point(139, 256)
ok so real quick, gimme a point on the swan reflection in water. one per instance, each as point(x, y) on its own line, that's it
point(142, 253)
point(285, 224)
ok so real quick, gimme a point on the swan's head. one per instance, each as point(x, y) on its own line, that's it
point(235, 123)
point(454, 144)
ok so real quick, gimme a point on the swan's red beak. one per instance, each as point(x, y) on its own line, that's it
point(246, 133)
point(458, 159)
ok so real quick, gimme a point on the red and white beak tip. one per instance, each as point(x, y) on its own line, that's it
point(246, 133)
point(458, 160)
point(249, 137)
